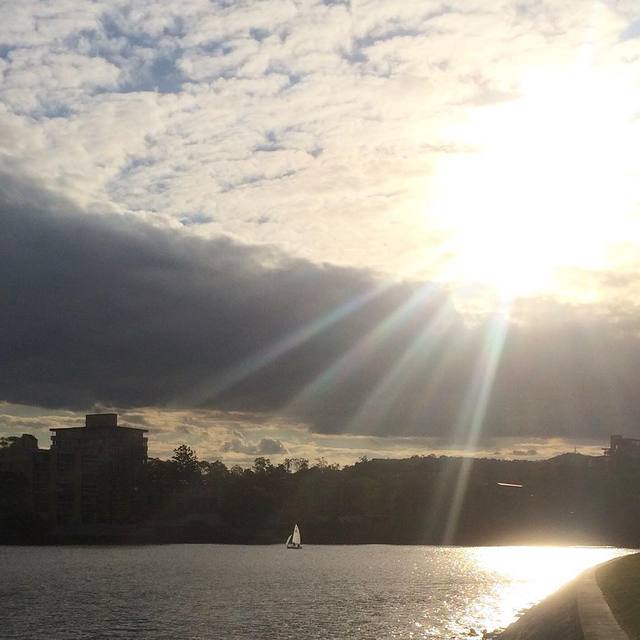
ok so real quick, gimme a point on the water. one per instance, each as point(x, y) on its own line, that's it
point(202, 592)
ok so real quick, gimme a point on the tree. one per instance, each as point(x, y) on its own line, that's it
point(299, 464)
point(186, 465)
point(262, 465)
point(323, 465)
point(185, 456)
point(213, 470)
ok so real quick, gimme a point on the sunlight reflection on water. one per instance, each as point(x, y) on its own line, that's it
point(206, 592)
point(526, 575)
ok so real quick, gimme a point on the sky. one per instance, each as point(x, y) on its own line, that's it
point(322, 229)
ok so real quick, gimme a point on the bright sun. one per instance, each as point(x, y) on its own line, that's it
point(544, 187)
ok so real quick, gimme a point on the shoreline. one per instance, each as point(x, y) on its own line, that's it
point(106, 540)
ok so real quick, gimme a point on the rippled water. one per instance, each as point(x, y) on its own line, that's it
point(198, 592)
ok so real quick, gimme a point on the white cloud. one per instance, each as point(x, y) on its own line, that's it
point(318, 127)
point(36, 79)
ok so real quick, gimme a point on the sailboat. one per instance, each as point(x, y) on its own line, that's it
point(294, 541)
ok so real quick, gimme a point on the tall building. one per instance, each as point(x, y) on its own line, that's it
point(26, 469)
point(96, 472)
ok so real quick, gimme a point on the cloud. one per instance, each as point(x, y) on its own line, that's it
point(235, 438)
point(327, 118)
point(270, 446)
point(266, 446)
point(104, 309)
point(524, 452)
point(37, 81)
point(198, 202)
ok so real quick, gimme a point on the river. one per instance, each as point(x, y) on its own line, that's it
point(203, 592)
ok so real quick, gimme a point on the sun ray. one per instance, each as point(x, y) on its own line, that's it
point(474, 410)
point(355, 357)
point(381, 398)
point(208, 389)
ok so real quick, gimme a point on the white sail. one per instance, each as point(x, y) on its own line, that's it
point(288, 540)
point(296, 535)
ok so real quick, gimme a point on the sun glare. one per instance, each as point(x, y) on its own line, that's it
point(532, 573)
point(544, 183)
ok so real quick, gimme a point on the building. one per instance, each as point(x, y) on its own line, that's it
point(96, 472)
point(623, 448)
point(91, 475)
point(25, 468)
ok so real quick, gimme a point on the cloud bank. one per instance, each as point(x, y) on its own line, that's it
point(105, 309)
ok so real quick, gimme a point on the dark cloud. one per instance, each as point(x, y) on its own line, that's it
point(270, 446)
point(266, 446)
point(105, 309)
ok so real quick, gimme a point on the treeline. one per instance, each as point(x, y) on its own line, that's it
point(421, 500)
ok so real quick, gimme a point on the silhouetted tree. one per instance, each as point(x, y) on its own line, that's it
point(185, 461)
point(185, 457)
point(262, 465)
point(570, 498)
point(299, 464)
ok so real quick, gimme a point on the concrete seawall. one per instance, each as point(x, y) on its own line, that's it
point(596, 619)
